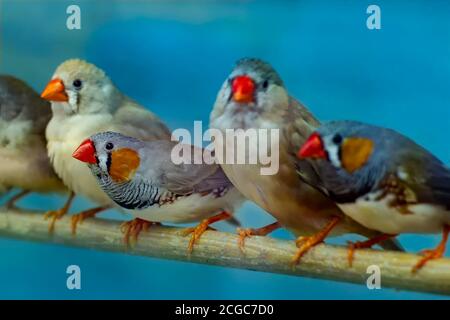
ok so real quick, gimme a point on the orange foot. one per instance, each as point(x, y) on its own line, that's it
point(244, 233)
point(306, 243)
point(133, 228)
point(202, 227)
point(365, 245)
point(58, 214)
point(80, 217)
point(434, 253)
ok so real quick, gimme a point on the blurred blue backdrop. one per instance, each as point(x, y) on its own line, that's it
point(172, 57)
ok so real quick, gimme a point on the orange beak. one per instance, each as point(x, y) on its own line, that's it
point(85, 152)
point(313, 148)
point(55, 91)
point(243, 89)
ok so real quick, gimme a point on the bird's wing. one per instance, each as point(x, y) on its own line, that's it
point(181, 178)
point(429, 179)
point(133, 120)
point(299, 125)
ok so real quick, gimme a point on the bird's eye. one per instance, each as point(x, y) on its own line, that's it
point(109, 146)
point(265, 84)
point(337, 139)
point(77, 84)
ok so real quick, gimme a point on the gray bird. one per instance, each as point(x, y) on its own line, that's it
point(143, 179)
point(381, 179)
point(23, 153)
point(254, 97)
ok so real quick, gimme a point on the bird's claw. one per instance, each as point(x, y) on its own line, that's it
point(202, 227)
point(243, 234)
point(428, 255)
point(80, 217)
point(263, 231)
point(299, 241)
point(196, 233)
point(304, 244)
point(133, 228)
point(54, 215)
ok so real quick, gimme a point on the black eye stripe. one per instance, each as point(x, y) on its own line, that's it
point(108, 162)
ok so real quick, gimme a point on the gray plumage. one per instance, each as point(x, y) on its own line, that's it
point(258, 66)
point(24, 116)
point(296, 205)
point(158, 179)
point(19, 102)
point(393, 155)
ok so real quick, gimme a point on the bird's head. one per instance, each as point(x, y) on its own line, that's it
point(253, 88)
point(111, 154)
point(341, 144)
point(79, 87)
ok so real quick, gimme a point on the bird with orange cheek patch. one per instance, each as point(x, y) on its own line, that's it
point(253, 96)
point(142, 179)
point(381, 179)
point(85, 101)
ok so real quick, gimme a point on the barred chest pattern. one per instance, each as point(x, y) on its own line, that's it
point(140, 194)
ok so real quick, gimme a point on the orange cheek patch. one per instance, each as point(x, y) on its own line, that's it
point(355, 152)
point(124, 163)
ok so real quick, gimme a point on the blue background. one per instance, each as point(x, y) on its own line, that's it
point(173, 56)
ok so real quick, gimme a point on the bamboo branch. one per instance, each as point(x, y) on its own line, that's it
point(219, 248)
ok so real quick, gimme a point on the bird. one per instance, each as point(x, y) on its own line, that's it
point(253, 96)
point(23, 153)
point(84, 101)
point(382, 179)
point(144, 179)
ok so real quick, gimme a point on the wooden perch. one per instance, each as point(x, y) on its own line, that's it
point(219, 248)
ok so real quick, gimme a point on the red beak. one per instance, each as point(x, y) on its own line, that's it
point(312, 148)
point(243, 88)
point(85, 152)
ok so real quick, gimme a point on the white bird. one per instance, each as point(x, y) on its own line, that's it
point(85, 101)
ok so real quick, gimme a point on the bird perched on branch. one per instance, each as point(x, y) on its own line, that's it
point(84, 102)
point(254, 97)
point(23, 153)
point(381, 179)
point(142, 178)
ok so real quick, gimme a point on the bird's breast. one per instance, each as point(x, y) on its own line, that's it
point(63, 137)
point(383, 216)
